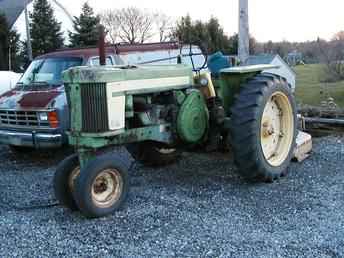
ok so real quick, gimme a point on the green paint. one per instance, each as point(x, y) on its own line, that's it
point(228, 85)
point(180, 96)
point(192, 121)
point(158, 133)
point(231, 79)
point(129, 106)
point(85, 156)
point(75, 107)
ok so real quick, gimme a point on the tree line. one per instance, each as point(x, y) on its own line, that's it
point(134, 26)
point(127, 25)
point(46, 35)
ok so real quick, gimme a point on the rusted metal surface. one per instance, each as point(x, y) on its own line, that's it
point(107, 188)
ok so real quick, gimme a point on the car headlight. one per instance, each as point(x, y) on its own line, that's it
point(43, 116)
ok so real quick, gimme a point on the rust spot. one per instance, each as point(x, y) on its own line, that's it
point(37, 99)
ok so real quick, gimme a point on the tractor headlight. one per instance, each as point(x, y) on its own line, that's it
point(204, 82)
point(43, 116)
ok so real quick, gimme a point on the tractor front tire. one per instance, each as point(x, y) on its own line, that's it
point(263, 128)
point(102, 186)
point(20, 149)
point(153, 153)
point(64, 180)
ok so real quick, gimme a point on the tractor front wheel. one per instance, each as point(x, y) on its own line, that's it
point(264, 128)
point(102, 186)
point(64, 178)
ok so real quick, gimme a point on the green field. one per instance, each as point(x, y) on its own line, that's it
point(309, 87)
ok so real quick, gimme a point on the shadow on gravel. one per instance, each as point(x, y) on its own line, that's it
point(32, 156)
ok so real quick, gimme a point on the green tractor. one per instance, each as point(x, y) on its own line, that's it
point(159, 111)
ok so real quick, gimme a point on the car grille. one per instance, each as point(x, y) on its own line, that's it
point(25, 119)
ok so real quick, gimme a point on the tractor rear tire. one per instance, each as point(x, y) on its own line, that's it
point(153, 153)
point(263, 128)
point(102, 186)
point(64, 180)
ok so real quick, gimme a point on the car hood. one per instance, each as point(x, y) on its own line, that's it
point(20, 99)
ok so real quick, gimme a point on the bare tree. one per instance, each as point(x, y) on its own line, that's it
point(111, 22)
point(163, 24)
point(332, 53)
point(135, 25)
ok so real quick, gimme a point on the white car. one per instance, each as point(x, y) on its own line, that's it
point(8, 80)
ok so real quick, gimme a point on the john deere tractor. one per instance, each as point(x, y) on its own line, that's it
point(157, 112)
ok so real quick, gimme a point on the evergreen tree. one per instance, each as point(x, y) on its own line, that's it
point(207, 35)
point(46, 35)
point(218, 40)
point(9, 41)
point(183, 30)
point(234, 45)
point(3, 42)
point(86, 28)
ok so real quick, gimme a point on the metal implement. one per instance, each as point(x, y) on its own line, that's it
point(327, 121)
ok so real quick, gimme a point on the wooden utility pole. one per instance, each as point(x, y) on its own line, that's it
point(244, 32)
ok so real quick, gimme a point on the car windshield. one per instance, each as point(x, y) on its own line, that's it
point(48, 70)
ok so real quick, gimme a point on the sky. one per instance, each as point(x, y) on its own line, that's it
point(276, 20)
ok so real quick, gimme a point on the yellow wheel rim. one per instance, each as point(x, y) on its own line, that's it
point(277, 129)
point(107, 188)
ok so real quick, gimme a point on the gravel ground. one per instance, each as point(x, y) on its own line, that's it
point(198, 207)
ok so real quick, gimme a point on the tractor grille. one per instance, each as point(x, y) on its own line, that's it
point(25, 119)
point(94, 108)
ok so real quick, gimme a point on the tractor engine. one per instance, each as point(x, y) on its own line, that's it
point(151, 103)
point(185, 110)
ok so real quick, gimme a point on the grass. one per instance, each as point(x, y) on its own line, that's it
point(309, 89)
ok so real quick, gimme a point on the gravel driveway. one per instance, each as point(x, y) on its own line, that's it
point(196, 208)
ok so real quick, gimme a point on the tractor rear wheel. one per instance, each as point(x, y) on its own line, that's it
point(153, 153)
point(264, 128)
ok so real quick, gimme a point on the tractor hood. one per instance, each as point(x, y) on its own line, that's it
point(20, 98)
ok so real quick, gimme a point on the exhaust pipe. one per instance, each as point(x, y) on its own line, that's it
point(101, 45)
